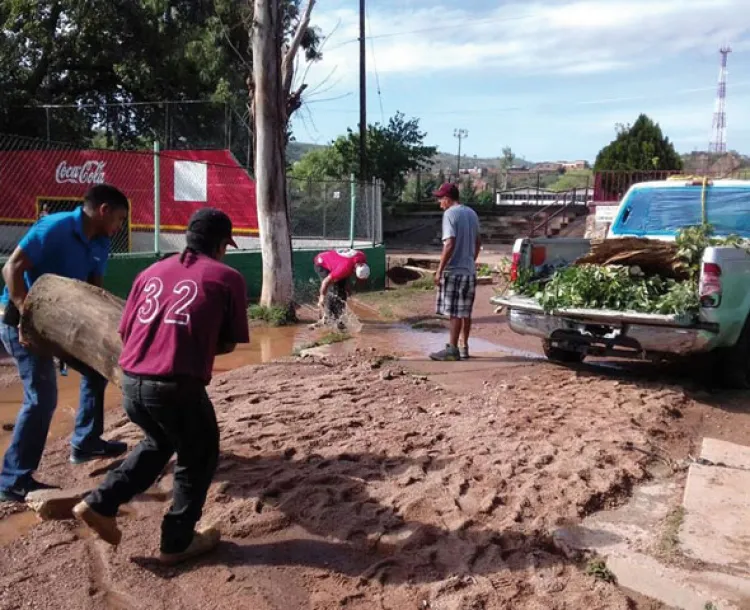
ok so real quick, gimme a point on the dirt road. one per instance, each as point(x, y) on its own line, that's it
point(358, 481)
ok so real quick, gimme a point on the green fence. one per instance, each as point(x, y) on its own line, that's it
point(122, 270)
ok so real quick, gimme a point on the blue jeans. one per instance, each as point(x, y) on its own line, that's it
point(39, 379)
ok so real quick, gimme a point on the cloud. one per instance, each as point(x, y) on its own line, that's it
point(542, 37)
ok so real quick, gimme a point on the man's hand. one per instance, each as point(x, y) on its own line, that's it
point(22, 338)
point(438, 277)
point(321, 301)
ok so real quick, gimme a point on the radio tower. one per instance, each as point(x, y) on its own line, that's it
point(718, 143)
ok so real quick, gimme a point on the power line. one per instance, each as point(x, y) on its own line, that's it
point(556, 105)
point(460, 24)
point(375, 66)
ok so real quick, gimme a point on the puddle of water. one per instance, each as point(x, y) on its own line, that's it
point(67, 405)
point(266, 344)
point(15, 526)
point(408, 341)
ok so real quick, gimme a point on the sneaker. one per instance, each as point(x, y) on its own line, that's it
point(203, 542)
point(105, 527)
point(450, 353)
point(18, 494)
point(463, 352)
point(107, 449)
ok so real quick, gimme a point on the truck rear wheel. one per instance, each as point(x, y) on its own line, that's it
point(736, 362)
point(564, 356)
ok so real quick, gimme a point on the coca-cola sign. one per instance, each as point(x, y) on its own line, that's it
point(91, 172)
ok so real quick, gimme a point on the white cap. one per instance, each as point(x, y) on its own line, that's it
point(362, 271)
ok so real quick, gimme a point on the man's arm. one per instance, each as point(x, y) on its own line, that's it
point(477, 248)
point(235, 328)
point(324, 285)
point(448, 246)
point(13, 275)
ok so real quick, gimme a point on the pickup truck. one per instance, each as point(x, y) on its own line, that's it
point(656, 210)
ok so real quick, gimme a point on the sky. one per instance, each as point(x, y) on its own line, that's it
point(549, 78)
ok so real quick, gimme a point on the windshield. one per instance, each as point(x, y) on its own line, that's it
point(666, 210)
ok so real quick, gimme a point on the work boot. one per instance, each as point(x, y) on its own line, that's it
point(107, 449)
point(449, 354)
point(204, 541)
point(104, 527)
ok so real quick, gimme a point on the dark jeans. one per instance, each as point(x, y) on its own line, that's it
point(39, 378)
point(177, 417)
point(335, 301)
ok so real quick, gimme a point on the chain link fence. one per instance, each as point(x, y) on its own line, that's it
point(175, 124)
point(165, 187)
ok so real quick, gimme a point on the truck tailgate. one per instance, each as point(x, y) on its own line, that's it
point(601, 316)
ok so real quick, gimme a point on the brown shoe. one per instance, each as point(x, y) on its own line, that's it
point(105, 527)
point(204, 541)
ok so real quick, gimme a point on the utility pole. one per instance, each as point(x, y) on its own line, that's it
point(460, 134)
point(362, 96)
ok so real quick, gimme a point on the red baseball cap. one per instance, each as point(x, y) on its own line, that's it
point(449, 190)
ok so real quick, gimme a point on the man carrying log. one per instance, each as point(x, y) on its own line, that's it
point(181, 312)
point(74, 245)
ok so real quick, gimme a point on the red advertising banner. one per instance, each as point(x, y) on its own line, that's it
point(188, 180)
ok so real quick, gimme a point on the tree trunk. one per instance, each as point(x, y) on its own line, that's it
point(270, 166)
point(75, 321)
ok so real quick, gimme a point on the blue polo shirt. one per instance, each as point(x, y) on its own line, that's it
point(57, 244)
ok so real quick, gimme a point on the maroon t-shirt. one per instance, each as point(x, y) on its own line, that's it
point(176, 314)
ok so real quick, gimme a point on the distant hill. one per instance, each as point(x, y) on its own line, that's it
point(296, 150)
point(728, 163)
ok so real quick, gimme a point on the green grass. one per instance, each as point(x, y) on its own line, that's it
point(328, 339)
point(670, 540)
point(423, 283)
point(597, 568)
point(484, 270)
point(273, 316)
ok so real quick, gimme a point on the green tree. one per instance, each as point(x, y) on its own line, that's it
point(427, 185)
point(467, 192)
point(98, 52)
point(318, 164)
point(639, 147)
point(393, 151)
point(485, 198)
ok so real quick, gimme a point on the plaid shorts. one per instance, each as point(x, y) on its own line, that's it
point(456, 295)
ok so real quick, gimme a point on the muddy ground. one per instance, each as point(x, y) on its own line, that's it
point(357, 481)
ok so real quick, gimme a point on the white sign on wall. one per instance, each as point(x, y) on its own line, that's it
point(190, 181)
point(606, 213)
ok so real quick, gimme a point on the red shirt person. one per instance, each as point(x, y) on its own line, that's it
point(181, 312)
point(335, 267)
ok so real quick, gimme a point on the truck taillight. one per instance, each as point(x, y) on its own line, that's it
point(514, 264)
point(710, 285)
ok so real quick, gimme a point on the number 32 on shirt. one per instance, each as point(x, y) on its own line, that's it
point(178, 313)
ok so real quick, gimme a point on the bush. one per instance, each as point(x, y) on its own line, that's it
point(273, 316)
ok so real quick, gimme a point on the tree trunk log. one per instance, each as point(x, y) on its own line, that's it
point(75, 321)
point(270, 164)
point(654, 257)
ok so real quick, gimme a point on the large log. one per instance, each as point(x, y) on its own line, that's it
point(654, 257)
point(76, 322)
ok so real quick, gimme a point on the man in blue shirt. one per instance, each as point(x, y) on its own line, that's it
point(75, 245)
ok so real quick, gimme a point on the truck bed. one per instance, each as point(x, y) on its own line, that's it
point(602, 316)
